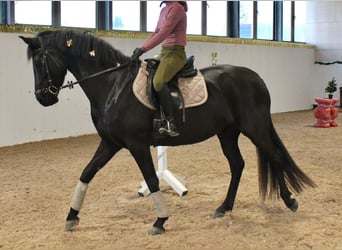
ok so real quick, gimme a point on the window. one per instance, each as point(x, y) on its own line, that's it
point(78, 14)
point(33, 12)
point(153, 11)
point(194, 17)
point(217, 18)
point(123, 19)
point(126, 16)
point(265, 20)
point(300, 19)
point(287, 20)
point(246, 19)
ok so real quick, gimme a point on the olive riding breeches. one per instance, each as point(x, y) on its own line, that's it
point(173, 58)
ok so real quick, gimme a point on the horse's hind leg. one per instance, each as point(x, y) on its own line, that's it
point(229, 143)
point(102, 155)
point(285, 194)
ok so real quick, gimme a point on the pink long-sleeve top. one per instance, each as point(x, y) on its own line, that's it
point(171, 27)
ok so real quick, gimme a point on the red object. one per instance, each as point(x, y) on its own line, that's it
point(326, 112)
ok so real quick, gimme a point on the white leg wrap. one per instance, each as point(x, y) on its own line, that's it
point(79, 194)
point(162, 210)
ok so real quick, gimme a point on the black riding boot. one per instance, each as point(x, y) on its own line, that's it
point(165, 100)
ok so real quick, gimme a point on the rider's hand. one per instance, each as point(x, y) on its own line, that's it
point(137, 53)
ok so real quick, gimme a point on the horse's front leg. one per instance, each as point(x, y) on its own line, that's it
point(142, 156)
point(103, 154)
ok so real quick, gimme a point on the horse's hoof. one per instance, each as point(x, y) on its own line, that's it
point(218, 214)
point(294, 206)
point(156, 231)
point(71, 224)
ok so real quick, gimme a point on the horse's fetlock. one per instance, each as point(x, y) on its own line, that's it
point(72, 215)
point(160, 222)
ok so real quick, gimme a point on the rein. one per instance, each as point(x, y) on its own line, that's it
point(71, 84)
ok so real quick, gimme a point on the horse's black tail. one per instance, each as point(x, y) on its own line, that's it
point(268, 169)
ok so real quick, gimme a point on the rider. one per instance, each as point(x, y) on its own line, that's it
point(171, 34)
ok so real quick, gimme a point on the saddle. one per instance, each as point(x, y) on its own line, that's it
point(186, 72)
point(187, 88)
point(188, 92)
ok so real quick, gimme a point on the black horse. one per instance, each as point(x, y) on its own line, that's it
point(238, 102)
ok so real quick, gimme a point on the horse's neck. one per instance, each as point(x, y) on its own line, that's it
point(98, 89)
point(95, 88)
point(82, 68)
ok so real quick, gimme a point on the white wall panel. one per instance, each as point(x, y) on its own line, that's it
point(324, 28)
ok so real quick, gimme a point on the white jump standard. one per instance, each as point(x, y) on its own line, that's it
point(177, 183)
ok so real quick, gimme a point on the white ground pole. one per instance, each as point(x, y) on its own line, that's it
point(177, 183)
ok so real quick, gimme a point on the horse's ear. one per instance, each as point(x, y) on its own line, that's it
point(32, 42)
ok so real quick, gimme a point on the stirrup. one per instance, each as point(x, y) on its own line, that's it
point(169, 129)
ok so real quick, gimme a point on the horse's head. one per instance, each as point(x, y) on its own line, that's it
point(49, 67)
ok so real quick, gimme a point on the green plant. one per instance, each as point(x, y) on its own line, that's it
point(331, 87)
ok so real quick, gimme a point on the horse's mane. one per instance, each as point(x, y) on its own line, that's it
point(82, 44)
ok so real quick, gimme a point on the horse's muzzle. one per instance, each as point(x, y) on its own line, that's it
point(47, 99)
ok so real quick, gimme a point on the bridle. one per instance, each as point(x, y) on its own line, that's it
point(51, 88)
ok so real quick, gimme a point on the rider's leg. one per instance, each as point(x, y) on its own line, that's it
point(173, 58)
